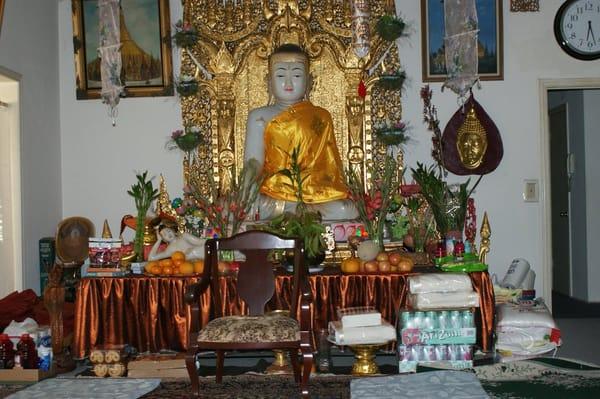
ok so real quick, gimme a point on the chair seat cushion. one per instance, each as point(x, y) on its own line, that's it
point(250, 329)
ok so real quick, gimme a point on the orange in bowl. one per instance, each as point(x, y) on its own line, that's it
point(178, 255)
point(165, 262)
point(186, 268)
point(156, 269)
point(167, 270)
point(150, 265)
point(199, 266)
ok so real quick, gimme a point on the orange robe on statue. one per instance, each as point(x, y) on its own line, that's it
point(310, 128)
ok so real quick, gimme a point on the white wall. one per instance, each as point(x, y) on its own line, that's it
point(98, 160)
point(592, 177)
point(28, 46)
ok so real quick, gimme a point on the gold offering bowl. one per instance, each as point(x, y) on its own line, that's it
point(280, 364)
point(364, 363)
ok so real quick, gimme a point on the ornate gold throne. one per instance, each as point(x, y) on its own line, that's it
point(230, 63)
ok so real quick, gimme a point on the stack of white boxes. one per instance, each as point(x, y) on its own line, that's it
point(360, 325)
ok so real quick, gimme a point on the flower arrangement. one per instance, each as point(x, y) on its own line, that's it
point(373, 202)
point(187, 86)
point(185, 35)
point(186, 140)
point(190, 212)
point(433, 124)
point(391, 134)
point(225, 212)
point(303, 222)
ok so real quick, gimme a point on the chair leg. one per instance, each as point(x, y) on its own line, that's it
point(295, 364)
point(190, 364)
point(307, 361)
point(220, 361)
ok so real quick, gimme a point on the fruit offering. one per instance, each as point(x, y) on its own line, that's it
point(384, 262)
point(176, 265)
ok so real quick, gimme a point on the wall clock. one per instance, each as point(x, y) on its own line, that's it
point(577, 28)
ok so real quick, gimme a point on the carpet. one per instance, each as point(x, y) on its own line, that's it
point(82, 388)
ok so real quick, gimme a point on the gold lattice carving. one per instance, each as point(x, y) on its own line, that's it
point(230, 61)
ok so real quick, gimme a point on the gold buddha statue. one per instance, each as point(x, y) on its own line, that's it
point(471, 141)
point(275, 130)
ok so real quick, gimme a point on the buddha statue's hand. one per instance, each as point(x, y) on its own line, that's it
point(269, 208)
point(336, 210)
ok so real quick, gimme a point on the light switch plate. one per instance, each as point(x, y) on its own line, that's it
point(531, 192)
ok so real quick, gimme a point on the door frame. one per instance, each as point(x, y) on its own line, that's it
point(15, 176)
point(544, 85)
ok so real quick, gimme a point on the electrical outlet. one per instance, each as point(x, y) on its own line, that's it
point(531, 190)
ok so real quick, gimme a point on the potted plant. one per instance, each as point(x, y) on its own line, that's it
point(143, 193)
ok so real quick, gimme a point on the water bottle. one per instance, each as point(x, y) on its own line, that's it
point(27, 353)
point(7, 353)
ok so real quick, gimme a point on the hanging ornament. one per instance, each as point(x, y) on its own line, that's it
point(361, 36)
point(460, 42)
point(362, 89)
point(471, 142)
point(109, 52)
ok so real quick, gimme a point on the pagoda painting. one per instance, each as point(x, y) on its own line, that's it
point(140, 43)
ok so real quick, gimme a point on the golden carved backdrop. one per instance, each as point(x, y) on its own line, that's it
point(230, 62)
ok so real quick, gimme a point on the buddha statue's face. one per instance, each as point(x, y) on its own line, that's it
point(289, 78)
point(167, 234)
point(471, 148)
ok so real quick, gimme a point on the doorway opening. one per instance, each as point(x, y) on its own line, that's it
point(571, 168)
point(11, 264)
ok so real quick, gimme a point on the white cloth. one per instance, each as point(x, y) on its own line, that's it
point(515, 315)
point(444, 300)
point(361, 335)
point(439, 282)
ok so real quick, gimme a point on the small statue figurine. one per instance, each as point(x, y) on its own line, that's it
point(274, 131)
point(190, 245)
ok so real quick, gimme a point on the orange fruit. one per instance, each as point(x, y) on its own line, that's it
point(223, 267)
point(167, 270)
point(176, 270)
point(351, 265)
point(178, 262)
point(156, 269)
point(186, 268)
point(150, 265)
point(178, 255)
point(199, 266)
point(165, 262)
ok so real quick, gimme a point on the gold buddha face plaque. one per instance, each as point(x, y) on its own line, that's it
point(471, 141)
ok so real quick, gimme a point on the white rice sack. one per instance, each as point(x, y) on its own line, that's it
point(533, 314)
point(439, 282)
point(444, 300)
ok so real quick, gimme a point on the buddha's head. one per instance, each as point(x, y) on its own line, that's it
point(288, 74)
point(471, 141)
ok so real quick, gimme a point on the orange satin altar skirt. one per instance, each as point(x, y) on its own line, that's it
point(150, 314)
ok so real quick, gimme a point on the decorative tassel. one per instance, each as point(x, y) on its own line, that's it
point(362, 89)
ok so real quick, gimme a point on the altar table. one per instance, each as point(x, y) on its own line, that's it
point(150, 313)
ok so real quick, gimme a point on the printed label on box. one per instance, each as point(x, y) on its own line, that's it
point(410, 336)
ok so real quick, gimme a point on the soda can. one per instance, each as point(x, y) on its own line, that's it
point(443, 319)
point(415, 353)
point(428, 353)
point(455, 320)
point(406, 320)
point(418, 319)
point(403, 352)
point(465, 352)
point(441, 352)
point(467, 319)
point(452, 352)
point(429, 321)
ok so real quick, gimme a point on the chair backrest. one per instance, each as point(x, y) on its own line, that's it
point(255, 279)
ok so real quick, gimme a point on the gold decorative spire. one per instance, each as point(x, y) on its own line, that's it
point(485, 233)
point(106, 233)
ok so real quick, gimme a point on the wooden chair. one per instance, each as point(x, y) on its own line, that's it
point(255, 286)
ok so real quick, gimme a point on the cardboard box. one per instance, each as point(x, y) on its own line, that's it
point(25, 375)
point(158, 367)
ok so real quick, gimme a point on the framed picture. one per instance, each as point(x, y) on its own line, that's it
point(489, 15)
point(147, 68)
point(1, 13)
